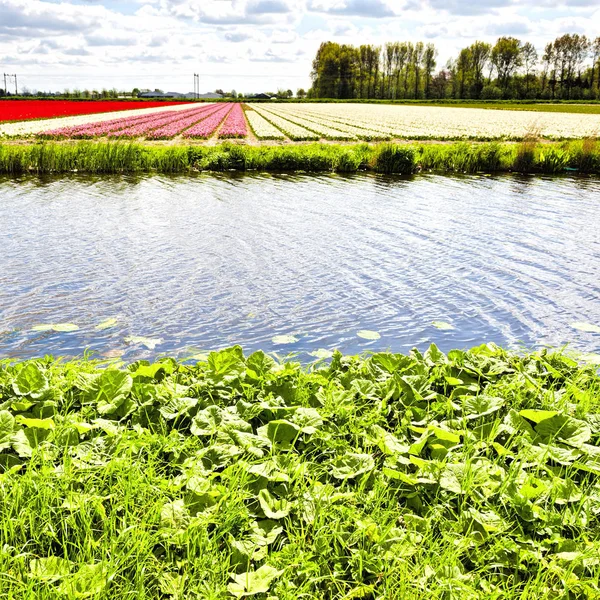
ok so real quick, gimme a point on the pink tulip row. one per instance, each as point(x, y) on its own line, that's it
point(142, 129)
point(103, 128)
point(176, 127)
point(235, 124)
point(206, 128)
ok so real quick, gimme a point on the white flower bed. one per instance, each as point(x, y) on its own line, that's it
point(325, 131)
point(24, 128)
point(293, 131)
point(361, 132)
point(436, 122)
point(262, 129)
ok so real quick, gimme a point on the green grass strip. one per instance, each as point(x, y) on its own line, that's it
point(473, 474)
point(89, 157)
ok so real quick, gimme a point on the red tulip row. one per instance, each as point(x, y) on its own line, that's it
point(235, 124)
point(21, 110)
point(207, 127)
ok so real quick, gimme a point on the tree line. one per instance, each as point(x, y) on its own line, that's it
point(567, 69)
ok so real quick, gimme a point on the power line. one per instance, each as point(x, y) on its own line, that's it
point(11, 76)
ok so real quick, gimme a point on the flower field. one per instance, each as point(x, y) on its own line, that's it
point(295, 122)
point(22, 110)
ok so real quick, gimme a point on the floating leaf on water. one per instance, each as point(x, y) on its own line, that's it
point(150, 343)
point(443, 325)
point(368, 335)
point(59, 327)
point(65, 327)
point(587, 327)
point(106, 324)
point(590, 358)
point(321, 353)
point(284, 339)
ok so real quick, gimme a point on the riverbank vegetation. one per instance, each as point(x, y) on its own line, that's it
point(472, 474)
point(90, 157)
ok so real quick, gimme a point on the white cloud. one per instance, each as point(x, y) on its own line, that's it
point(249, 45)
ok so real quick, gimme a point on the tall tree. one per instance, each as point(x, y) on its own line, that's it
point(530, 59)
point(429, 57)
point(480, 56)
point(417, 59)
point(506, 57)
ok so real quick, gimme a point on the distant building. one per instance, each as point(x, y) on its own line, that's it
point(211, 96)
point(179, 96)
point(260, 96)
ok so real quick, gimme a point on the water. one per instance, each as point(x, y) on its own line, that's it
point(205, 262)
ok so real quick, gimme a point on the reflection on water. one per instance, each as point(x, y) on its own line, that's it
point(204, 262)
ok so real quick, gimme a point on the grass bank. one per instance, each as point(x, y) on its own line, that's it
point(470, 475)
point(464, 157)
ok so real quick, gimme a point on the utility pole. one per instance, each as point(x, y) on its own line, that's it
point(13, 76)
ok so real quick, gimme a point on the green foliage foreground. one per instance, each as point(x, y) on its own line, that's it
point(90, 157)
point(467, 475)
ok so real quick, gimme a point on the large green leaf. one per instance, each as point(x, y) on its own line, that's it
point(90, 580)
point(7, 426)
point(562, 427)
point(352, 465)
point(110, 390)
point(537, 416)
point(475, 407)
point(31, 381)
point(49, 569)
point(272, 507)
point(227, 365)
point(253, 582)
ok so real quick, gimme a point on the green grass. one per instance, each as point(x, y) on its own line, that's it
point(89, 157)
point(469, 475)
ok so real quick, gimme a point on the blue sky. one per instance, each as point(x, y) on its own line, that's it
point(247, 45)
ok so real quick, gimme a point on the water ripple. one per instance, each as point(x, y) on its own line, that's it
point(209, 261)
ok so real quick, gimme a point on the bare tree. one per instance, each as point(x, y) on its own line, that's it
point(530, 60)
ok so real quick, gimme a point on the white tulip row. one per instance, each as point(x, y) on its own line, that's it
point(24, 128)
point(325, 131)
point(356, 130)
point(262, 129)
point(421, 122)
point(293, 131)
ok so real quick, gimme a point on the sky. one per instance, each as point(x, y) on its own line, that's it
point(247, 45)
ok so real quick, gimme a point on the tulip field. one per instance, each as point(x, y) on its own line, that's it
point(22, 110)
point(294, 122)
